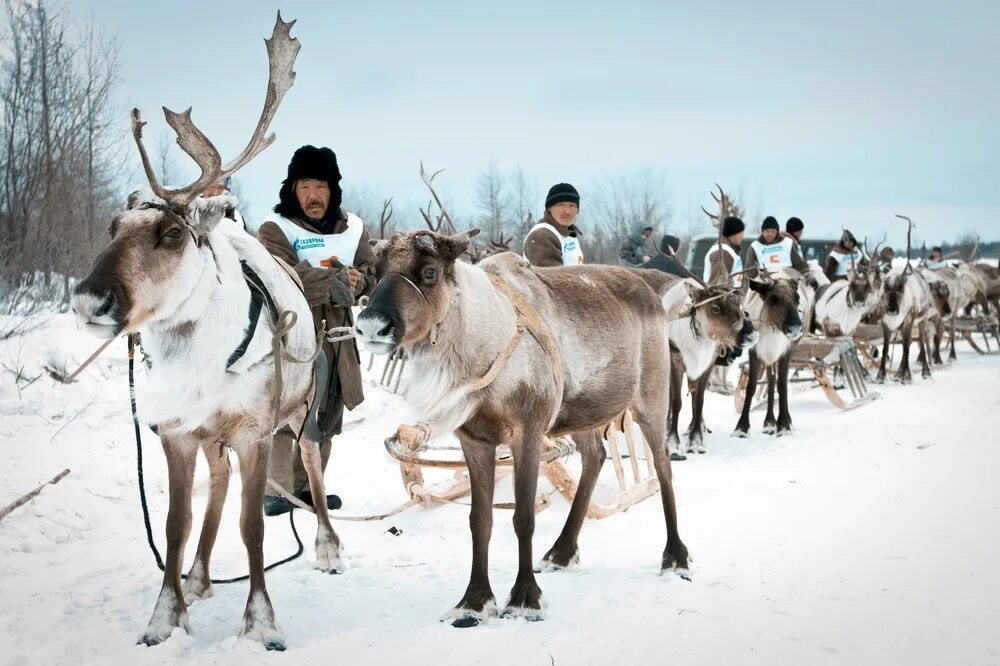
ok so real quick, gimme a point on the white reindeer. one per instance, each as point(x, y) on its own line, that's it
point(186, 284)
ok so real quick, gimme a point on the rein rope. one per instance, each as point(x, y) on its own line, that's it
point(142, 487)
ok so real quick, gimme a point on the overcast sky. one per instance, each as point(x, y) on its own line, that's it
point(843, 113)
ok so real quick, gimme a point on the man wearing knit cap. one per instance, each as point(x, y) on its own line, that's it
point(794, 228)
point(771, 252)
point(555, 240)
point(719, 265)
point(329, 250)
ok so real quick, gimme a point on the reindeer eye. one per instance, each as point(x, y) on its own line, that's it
point(716, 309)
point(429, 273)
point(175, 233)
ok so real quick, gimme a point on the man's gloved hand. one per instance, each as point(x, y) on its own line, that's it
point(341, 292)
point(735, 352)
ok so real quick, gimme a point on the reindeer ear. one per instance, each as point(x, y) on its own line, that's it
point(693, 289)
point(760, 286)
point(471, 233)
point(450, 248)
point(207, 212)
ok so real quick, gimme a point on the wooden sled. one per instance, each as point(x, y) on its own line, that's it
point(986, 325)
point(409, 446)
point(821, 356)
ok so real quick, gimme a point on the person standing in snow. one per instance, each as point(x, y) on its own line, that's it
point(666, 259)
point(555, 239)
point(639, 248)
point(329, 250)
point(936, 260)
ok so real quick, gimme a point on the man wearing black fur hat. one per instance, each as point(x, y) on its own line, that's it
point(329, 250)
point(772, 252)
point(555, 240)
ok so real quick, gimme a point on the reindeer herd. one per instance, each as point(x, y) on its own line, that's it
point(500, 353)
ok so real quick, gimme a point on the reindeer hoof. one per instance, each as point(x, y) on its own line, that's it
point(466, 618)
point(769, 428)
point(557, 561)
point(196, 589)
point(328, 558)
point(740, 434)
point(525, 602)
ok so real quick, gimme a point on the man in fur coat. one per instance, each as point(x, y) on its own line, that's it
point(329, 250)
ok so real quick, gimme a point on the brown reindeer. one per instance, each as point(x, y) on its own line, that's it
point(187, 283)
point(595, 345)
point(778, 305)
point(713, 323)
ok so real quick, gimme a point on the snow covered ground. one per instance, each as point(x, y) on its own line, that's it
point(867, 537)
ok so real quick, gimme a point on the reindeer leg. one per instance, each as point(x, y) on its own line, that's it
point(170, 611)
point(925, 370)
point(784, 416)
point(696, 431)
point(743, 425)
point(954, 324)
point(675, 554)
point(886, 339)
point(938, 335)
point(676, 400)
point(526, 597)
point(258, 618)
point(903, 374)
point(198, 584)
point(327, 541)
point(770, 424)
point(478, 603)
point(566, 550)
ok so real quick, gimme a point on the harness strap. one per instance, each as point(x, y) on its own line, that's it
point(527, 317)
point(258, 296)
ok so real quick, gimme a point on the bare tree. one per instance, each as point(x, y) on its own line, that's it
point(622, 203)
point(491, 199)
point(61, 156)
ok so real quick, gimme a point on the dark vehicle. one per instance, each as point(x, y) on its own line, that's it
point(812, 249)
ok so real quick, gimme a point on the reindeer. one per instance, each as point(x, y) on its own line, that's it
point(778, 304)
point(841, 306)
point(712, 323)
point(907, 301)
point(596, 345)
point(186, 283)
point(940, 293)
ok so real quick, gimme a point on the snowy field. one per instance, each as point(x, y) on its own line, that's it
point(866, 537)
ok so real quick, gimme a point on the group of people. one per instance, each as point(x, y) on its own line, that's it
point(328, 248)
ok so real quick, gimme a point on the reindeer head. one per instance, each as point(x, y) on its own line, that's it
point(895, 288)
point(416, 271)
point(717, 314)
point(864, 283)
point(781, 303)
point(159, 247)
point(151, 267)
point(942, 296)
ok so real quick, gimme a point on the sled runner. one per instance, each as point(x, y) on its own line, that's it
point(410, 447)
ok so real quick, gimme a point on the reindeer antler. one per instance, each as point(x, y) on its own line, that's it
point(282, 50)
point(429, 182)
point(386, 215)
point(909, 243)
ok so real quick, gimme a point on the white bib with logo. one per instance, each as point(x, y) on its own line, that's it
point(572, 253)
point(844, 261)
point(737, 263)
point(776, 256)
point(314, 248)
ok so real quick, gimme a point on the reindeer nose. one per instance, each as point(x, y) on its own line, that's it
point(386, 330)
